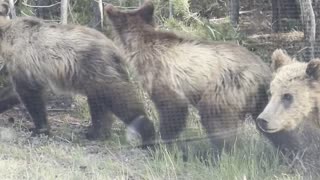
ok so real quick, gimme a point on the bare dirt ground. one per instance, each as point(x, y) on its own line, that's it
point(65, 155)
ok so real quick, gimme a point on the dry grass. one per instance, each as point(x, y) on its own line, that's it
point(68, 155)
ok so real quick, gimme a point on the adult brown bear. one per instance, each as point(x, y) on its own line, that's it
point(69, 58)
point(222, 80)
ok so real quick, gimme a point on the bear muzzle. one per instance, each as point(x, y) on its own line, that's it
point(263, 125)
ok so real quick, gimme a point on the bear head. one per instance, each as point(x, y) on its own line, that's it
point(294, 94)
point(131, 20)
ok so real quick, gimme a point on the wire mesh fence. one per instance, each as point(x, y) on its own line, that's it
point(162, 85)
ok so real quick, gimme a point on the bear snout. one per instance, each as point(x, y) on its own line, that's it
point(262, 124)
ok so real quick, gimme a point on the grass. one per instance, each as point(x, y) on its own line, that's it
point(63, 157)
point(199, 28)
point(68, 155)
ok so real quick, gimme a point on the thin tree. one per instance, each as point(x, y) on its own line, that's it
point(316, 8)
point(96, 18)
point(234, 7)
point(101, 13)
point(64, 11)
point(47, 9)
point(12, 9)
point(283, 9)
point(170, 9)
point(276, 15)
point(309, 27)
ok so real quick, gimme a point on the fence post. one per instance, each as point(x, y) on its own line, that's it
point(64, 11)
point(12, 9)
point(234, 6)
point(170, 9)
point(101, 12)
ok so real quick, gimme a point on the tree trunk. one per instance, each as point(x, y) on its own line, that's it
point(101, 13)
point(64, 11)
point(12, 9)
point(283, 9)
point(47, 12)
point(309, 27)
point(170, 9)
point(96, 21)
point(234, 7)
point(276, 24)
point(317, 19)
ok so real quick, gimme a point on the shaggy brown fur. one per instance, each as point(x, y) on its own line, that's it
point(222, 80)
point(69, 58)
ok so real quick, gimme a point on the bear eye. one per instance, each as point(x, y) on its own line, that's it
point(287, 97)
point(287, 100)
point(268, 93)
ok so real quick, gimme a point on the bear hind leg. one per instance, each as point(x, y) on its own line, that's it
point(126, 104)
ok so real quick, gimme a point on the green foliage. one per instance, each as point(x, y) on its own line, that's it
point(293, 25)
point(185, 21)
point(253, 158)
point(203, 29)
point(79, 14)
point(209, 8)
point(81, 107)
point(181, 7)
point(127, 3)
point(223, 31)
point(4, 81)
point(24, 10)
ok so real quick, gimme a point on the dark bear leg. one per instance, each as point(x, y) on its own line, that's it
point(173, 112)
point(221, 125)
point(101, 118)
point(31, 95)
point(8, 98)
point(260, 102)
point(125, 104)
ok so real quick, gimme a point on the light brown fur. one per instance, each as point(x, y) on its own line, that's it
point(291, 119)
point(299, 80)
point(222, 80)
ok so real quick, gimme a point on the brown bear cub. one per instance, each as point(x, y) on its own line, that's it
point(222, 80)
point(70, 59)
point(291, 119)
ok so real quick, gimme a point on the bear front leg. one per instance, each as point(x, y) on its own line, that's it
point(221, 124)
point(173, 111)
point(101, 118)
point(8, 98)
point(31, 95)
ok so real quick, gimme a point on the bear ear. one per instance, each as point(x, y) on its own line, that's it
point(110, 10)
point(4, 7)
point(313, 69)
point(280, 58)
point(146, 12)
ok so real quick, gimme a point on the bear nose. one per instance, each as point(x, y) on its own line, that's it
point(262, 124)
